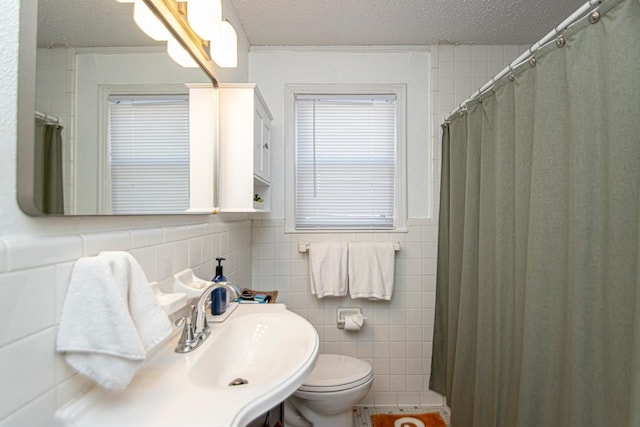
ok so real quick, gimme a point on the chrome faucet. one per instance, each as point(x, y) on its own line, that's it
point(195, 328)
point(232, 287)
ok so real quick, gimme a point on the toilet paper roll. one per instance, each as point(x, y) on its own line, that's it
point(353, 322)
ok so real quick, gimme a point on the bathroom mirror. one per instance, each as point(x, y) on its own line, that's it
point(79, 61)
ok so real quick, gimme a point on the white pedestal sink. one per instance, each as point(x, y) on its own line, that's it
point(266, 348)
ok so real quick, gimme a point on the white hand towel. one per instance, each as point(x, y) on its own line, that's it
point(371, 270)
point(328, 269)
point(110, 319)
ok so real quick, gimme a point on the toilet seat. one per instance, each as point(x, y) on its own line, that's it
point(334, 372)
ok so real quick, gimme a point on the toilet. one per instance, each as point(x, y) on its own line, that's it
point(328, 394)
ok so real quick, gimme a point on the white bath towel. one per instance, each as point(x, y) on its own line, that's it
point(110, 319)
point(328, 269)
point(371, 269)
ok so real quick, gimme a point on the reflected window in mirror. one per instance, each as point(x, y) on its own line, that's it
point(147, 154)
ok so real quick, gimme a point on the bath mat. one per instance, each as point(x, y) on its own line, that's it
point(431, 419)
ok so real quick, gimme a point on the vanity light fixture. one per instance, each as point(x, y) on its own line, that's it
point(205, 17)
point(225, 53)
point(191, 28)
point(147, 21)
point(179, 54)
point(154, 28)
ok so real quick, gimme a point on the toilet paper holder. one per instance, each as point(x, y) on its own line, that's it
point(342, 312)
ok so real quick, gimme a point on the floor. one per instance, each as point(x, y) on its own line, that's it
point(362, 414)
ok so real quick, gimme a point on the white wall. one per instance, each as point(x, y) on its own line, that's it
point(397, 337)
point(37, 253)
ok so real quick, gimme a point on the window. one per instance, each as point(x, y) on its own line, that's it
point(148, 154)
point(347, 161)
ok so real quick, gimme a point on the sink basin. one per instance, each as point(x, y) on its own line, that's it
point(252, 361)
point(258, 348)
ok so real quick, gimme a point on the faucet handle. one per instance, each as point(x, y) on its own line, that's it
point(202, 327)
point(194, 314)
point(187, 339)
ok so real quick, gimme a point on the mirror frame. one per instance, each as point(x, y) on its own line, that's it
point(27, 45)
point(171, 14)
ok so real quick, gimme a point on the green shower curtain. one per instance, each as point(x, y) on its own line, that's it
point(538, 286)
point(48, 181)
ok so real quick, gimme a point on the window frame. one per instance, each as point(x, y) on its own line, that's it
point(400, 199)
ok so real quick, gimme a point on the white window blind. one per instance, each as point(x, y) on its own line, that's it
point(345, 161)
point(149, 154)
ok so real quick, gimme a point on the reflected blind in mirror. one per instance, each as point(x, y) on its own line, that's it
point(149, 154)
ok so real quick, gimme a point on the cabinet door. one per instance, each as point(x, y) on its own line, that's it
point(261, 146)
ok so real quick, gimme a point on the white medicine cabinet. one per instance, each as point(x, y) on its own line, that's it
point(203, 140)
point(236, 118)
point(244, 161)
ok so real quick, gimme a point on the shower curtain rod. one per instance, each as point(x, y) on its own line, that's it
point(46, 117)
point(589, 6)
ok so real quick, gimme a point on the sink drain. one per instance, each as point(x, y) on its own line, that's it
point(238, 381)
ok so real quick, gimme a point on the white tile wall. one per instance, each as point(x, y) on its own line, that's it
point(397, 337)
point(392, 339)
point(34, 275)
point(455, 73)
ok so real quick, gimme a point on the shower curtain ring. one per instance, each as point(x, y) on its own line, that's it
point(510, 76)
point(594, 15)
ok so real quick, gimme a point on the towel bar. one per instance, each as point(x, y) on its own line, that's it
point(304, 247)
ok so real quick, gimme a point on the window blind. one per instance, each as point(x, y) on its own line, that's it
point(345, 161)
point(149, 154)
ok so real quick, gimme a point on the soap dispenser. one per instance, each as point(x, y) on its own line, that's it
point(219, 296)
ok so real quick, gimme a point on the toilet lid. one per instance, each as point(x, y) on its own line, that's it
point(336, 372)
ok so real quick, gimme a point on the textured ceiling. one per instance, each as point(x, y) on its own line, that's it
point(400, 22)
point(88, 23)
point(324, 22)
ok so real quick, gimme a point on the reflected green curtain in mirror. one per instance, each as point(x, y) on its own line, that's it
point(538, 285)
point(48, 180)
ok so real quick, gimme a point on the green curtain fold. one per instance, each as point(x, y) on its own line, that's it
point(48, 179)
point(538, 287)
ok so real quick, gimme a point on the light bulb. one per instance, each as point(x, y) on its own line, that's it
point(225, 52)
point(204, 17)
point(148, 22)
point(179, 54)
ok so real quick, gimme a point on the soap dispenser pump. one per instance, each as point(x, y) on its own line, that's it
point(219, 277)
